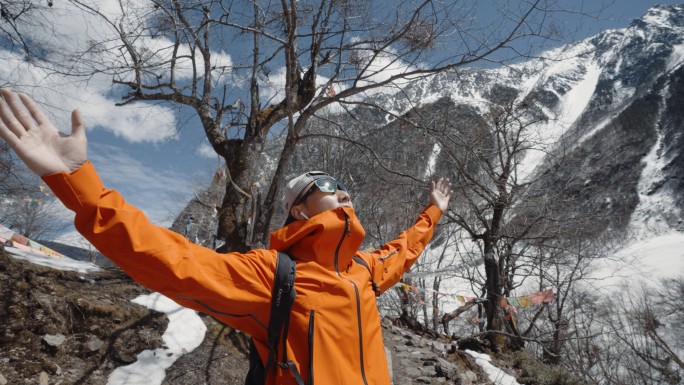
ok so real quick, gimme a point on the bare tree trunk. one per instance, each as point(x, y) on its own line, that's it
point(493, 304)
point(242, 165)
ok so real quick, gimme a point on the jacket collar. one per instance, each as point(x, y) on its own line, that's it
point(330, 238)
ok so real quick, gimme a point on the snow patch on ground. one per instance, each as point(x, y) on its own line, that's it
point(496, 375)
point(430, 169)
point(647, 219)
point(572, 104)
point(184, 333)
point(659, 257)
point(646, 260)
point(676, 58)
point(63, 263)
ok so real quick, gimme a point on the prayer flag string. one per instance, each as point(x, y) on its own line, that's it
point(508, 303)
point(10, 238)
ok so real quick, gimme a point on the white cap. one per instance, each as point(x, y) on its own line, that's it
point(297, 186)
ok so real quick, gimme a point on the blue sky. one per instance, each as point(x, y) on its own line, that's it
point(160, 176)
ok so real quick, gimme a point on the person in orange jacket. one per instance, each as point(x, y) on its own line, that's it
point(334, 330)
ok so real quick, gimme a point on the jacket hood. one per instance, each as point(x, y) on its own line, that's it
point(330, 238)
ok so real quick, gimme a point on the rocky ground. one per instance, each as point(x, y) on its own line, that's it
point(419, 359)
point(61, 328)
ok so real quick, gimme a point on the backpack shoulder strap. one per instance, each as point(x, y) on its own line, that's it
point(282, 298)
point(363, 263)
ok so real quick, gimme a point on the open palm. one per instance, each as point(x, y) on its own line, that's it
point(37, 142)
point(440, 193)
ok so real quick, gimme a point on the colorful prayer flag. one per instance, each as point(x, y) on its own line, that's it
point(525, 301)
point(548, 296)
point(536, 298)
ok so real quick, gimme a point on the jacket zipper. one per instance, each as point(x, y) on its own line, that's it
point(358, 320)
point(311, 347)
point(358, 299)
point(339, 245)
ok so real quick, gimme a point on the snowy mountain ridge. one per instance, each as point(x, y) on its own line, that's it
point(659, 33)
point(613, 106)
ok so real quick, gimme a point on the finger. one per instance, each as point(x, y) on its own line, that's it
point(77, 124)
point(447, 186)
point(19, 112)
point(36, 112)
point(7, 115)
point(7, 135)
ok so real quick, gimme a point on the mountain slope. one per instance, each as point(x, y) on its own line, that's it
point(612, 141)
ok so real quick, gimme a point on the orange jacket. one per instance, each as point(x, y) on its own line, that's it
point(334, 335)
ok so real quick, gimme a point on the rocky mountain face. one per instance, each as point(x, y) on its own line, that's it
point(612, 138)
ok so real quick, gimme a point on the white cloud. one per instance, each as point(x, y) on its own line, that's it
point(379, 67)
point(135, 123)
point(70, 31)
point(206, 151)
point(272, 90)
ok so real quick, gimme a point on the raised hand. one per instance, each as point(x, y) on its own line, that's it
point(440, 193)
point(37, 142)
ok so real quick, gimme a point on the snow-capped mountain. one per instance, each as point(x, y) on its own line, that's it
point(613, 104)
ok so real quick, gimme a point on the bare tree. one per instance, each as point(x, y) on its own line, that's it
point(14, 175)
point(637, 319)
point(36, 217)
point(17, 18)
point(563, 263)
point(289, 61)
point(485, 157)
point(629, 336)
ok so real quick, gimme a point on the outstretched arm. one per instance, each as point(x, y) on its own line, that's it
point(37, 142)
point(235, 288)
point(394, 258)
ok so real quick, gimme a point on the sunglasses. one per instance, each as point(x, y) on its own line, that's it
point(326, 185)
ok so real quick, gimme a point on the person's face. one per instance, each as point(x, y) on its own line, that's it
point(318, 201)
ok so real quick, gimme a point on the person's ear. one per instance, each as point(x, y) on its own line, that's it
point(297, 212)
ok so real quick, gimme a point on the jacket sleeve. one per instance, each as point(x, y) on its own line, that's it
point(234, 287)
point(393, 259)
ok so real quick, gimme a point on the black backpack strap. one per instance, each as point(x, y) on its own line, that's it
point(255, 375)
point(363, 263)
point(287, 364)
point(282, 298)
